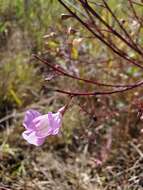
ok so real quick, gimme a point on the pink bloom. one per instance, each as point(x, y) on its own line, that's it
point(38, 126)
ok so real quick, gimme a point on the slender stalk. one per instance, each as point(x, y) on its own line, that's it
point(120, 25)
point(63, 72)
point(97, 92)
point(87, 6)
point(115, 50)
point(134, 12)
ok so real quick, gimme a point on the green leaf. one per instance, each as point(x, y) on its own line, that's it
point(15, 97)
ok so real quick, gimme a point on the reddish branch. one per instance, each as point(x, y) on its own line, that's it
point(108, 44)
point(57, 69)
point(120, 25)
point(134, 12)
point(65, 73)
point(88, 7)
point(99, 35)
point(95, 93)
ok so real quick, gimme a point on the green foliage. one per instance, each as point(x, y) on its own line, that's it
point(17, 80)
point(33, 16)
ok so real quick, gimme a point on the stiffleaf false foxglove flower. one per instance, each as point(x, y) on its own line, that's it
point(39, 126)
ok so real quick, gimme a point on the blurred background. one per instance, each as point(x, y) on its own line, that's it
point(100, 144)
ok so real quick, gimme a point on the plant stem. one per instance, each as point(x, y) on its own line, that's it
point(63, 72)
point(97, 92)
point(114, 49)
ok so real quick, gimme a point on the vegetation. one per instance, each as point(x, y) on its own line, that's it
point(87, 51)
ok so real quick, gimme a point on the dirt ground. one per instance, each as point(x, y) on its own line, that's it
point(58, 166)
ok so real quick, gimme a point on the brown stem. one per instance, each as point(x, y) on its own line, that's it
point(121, 26)
point(65, 108)
point(87, 6)
point(63, 72)
point(134, 12)
point(115, 50)
point(98, 93)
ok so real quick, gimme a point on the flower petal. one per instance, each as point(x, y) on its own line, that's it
point(29, 116)
point(42, 126)
point(31, 138)
point(55, 121)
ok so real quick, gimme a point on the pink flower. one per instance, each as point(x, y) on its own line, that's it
point(38, 126)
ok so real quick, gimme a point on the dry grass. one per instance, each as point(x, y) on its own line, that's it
point(59, 166)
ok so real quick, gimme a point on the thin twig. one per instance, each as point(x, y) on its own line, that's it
point(87, 6)
point(120, 25)
point(134, 12)
point(63, 72)
point(115, 50)
point(95, 93)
